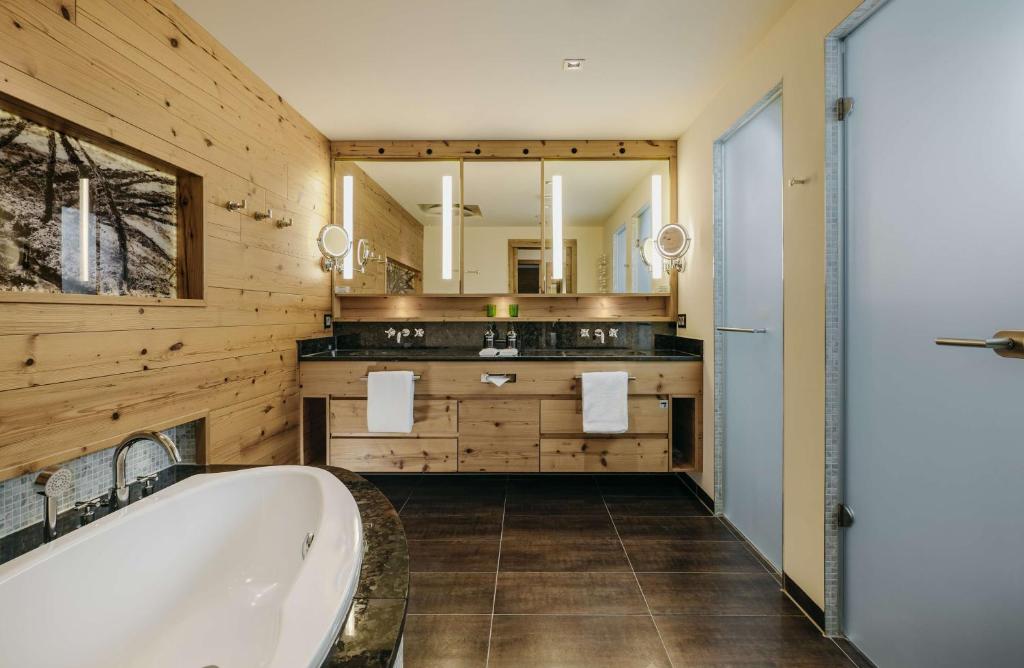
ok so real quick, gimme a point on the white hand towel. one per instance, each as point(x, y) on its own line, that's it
point(389, 399)
point(606, 402)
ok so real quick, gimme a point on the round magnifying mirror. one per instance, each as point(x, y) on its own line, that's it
point(673, 241)
point(334, 243)
point(648, 252)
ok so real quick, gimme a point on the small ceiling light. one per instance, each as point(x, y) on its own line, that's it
point(573, 64)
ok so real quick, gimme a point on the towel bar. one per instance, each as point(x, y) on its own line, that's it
point(580, 377)
point(415, 376)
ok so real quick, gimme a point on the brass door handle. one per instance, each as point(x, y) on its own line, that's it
point(1006, 343)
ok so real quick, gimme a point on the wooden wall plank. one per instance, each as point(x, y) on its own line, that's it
point(75, 377)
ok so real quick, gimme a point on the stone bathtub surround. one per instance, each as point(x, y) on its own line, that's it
point(371, 634)
point(21, 506)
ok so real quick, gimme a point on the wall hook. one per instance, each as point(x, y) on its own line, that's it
point(232, 205)
point(798, 182)
point(284, 222)
point(263, 215)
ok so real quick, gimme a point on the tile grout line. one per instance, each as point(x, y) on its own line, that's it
point(497, 571)
point(636, 579)
point(412, 491)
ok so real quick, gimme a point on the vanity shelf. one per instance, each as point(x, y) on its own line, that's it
point(659, 307)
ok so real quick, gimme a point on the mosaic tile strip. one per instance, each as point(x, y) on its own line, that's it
point(22, 506)
point(834, 309)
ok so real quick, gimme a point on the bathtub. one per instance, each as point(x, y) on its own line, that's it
point(212, 571)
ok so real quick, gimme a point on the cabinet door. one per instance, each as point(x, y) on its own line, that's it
point(431, 417)
point(647, 415)
point(394, 455)
point(499, 435)
point(592, 455)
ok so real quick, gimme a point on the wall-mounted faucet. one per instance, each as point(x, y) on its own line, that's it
point(119, 494)
point(599, 335)
point(50, 484)
point(399, 334)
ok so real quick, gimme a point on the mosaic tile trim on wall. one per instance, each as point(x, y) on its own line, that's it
point(21, 506)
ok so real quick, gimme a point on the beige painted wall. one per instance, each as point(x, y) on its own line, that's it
point(487, 256)
point(791, 52)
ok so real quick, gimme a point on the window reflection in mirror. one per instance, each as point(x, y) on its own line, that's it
point(411, 246)
point(503, 235)
point(609, 208)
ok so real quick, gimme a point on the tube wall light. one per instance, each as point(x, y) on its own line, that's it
point(656, 268)
point(346, 222)
point(557, 242)
point(446, 227)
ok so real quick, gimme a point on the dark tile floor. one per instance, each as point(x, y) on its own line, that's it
point(588, 571)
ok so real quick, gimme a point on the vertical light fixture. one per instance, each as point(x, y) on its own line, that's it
point(446, 227)
point(557, 244)
point(656, 267)
point(83, 229)
point(346, 222)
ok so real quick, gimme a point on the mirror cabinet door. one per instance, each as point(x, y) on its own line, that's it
point(503, 233)
point(405, 238)
point(604, 211)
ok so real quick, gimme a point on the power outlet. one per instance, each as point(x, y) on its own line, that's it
point(328, 320)
point(681, 321)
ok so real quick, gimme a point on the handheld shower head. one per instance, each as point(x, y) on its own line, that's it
point(50, 484)
point(54, 481)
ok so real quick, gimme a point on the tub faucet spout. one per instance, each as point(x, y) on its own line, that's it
point(119, 494)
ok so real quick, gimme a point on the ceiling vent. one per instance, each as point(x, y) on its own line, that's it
point(468, 211)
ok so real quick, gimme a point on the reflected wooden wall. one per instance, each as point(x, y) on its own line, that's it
point(75, 378)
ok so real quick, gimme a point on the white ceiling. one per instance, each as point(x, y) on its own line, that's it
point(491, 69)
point(508, 193)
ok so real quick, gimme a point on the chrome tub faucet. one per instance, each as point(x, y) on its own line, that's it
point(119, 494)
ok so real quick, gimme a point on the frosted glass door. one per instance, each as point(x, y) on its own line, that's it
point(752, 218)
point(934, 445)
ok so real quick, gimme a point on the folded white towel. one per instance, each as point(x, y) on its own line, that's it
point(508, 352)
point(606, 402)
point(489, 352)
point(389, 400)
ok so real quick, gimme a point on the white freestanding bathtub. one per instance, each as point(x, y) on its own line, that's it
point(211, 571)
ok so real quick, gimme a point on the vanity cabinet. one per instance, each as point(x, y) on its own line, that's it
point(531, 423)
point(499, 435)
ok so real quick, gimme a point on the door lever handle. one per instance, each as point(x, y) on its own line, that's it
point(1001, 343)
point(1005, 343)
point(743, 330)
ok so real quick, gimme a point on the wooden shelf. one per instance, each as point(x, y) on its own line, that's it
point(472, 308)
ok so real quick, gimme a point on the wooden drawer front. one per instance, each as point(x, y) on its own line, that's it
point(579, 455)
point(565, 416)
point(462, 379)
point(499, 435)
point(431, 417)
point(396, 455)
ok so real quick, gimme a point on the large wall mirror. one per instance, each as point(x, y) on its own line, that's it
point(603, 211)
point(496, 227)
point(503, 234)
point(403, 219)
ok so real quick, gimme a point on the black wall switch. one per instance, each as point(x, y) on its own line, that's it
point(681, 320)
point(328, 320)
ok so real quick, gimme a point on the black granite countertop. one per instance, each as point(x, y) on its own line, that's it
point(371, 635)
point(472, 355)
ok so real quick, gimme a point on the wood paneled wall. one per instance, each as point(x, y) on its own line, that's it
point(379, 218)
point(77, 377)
